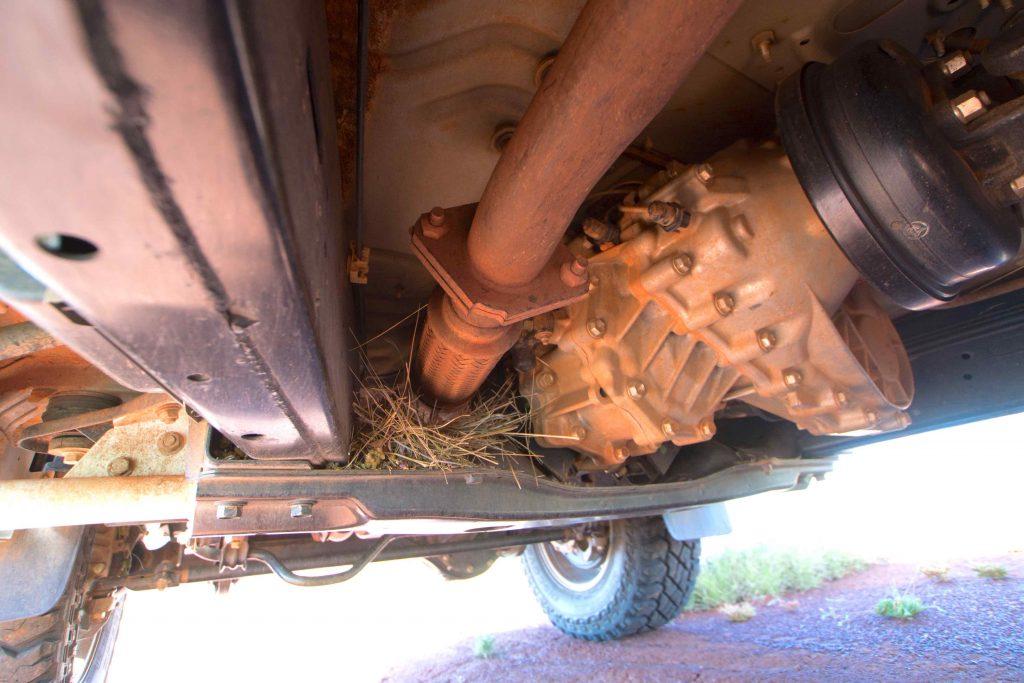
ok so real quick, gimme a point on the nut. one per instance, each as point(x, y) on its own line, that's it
point(668, 428)
point(969, 106)
point(229, 511)
point(1017, 185)
point(574, 272)
point(724, 303)
point(168, 413)
point(682, 264)
point(792, 377)
point(170, 442)
point(433, 224)
point(596, 328)
point(706, 428)
point(705, 173)
point(636, 389)
point(766, 340)
point(301, 509)
point(762, 43)
point(119, 466)
point(954, 63)
point(620, 454)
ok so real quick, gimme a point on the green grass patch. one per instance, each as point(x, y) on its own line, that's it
point(900, 606)
point(741, 576)
point(483, 647)
point(991, 571)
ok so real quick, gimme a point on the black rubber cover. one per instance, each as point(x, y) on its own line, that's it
point(902, 204)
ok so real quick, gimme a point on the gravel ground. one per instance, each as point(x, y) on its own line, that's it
point(973, 629)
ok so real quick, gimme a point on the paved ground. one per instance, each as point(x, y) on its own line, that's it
point(973, 629)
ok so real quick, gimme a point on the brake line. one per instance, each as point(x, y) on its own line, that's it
point(274, 563)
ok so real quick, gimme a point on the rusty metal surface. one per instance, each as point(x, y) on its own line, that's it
point(442, 249)
point(742, 297)
point(593, 101)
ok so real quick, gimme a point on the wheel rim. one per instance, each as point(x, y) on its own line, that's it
point(580, 563)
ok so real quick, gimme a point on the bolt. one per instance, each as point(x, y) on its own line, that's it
point(954, 63)
point(620, 454)
point(1018, 186)
point(763, 42)
point(301, 509)
point(969, 106)
point(502, 136)
point(705, 173)
point(937, 39)
point(574, 272)
point(792, 378)
point(119, 466)
point(434, 225)
point(229, 511)
point(599, 231)
point(724, 303)
point(668, 427)
point(170, 443)
point(669, 215)
point(706, 428)
point(872, 417)
point(545, 379)
point(580, 433)
point(636, 389)
point(682, 264)
point(766, 340)
point(597, 327)
point(168, 413)
point(841, 398)
point(98, 568)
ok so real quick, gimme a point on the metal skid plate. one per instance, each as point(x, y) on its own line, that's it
point(171, 182)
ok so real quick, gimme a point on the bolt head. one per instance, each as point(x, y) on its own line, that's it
point(436, 216)
point(668, 428)
point(682, 264)
point(596, 328)
point(705, 173)
point(766, 340)
point(1018, 186)
point(97, 568)
point(724, 303)
point(119, 466)
point(574, 272)
point(969, 106)
point(872, 417)
point(792, 378)
point(580, 433)
point(706, 428)
point(545, 379)
point(301, 510)
point(620, 454)
point(841, 398)
point(954, 64)
point(636, 389)
point(229, 511)
point(170, 442)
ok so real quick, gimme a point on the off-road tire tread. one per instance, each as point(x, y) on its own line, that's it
point(41, 649)
point(660, 574)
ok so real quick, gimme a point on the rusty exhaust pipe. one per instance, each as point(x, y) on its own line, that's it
point(619, 65)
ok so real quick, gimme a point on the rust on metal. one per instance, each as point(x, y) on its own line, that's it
point(592, 102)
point(752, 301)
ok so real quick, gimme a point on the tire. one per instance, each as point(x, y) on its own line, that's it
point(42, 649)
point(641, 582)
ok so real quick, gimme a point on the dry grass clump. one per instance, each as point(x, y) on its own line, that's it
point(395, 431)
point(738, 612)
